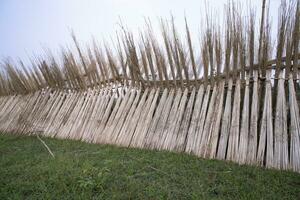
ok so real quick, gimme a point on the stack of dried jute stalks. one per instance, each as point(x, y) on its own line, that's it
point(236, 104)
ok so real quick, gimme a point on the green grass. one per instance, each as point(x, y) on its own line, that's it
point(88, 171)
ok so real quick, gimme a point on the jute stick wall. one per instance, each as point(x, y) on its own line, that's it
point(149, 96)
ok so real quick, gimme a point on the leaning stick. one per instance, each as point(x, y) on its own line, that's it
point(244, 136)
point(294, 127)
point(48, 149)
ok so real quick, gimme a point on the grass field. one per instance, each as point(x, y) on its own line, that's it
point(87, 171)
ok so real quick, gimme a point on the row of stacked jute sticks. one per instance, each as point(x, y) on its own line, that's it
point(218, 105)
point(210, 122)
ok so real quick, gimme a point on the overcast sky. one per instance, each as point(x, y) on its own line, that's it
point(27, 26)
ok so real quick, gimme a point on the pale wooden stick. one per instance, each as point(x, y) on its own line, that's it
point(294, 128)
point(201, 122)
point(171, 140)
point(107, 119)
point(265, 145)
point(252, 146)
point(156, 137)
point(49, 150)
point(181, 140)
point(171, 121)
point(191, 136)
point(127, 132)
point(233, 141)
point(120, 121)
point(208, 123)
point(225, 128)
point(144, 124)
point(212, 145)
point(128, 123)
point(154, 120)
point(281, 159)
point(244, 136)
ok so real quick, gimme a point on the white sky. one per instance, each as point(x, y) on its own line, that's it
point(27, 26)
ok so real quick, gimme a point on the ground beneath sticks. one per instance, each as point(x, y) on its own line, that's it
point(88, 171)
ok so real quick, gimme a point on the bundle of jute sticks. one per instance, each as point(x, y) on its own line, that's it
point(236, 104)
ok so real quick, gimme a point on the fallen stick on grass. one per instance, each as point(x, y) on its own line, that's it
point(49, 150)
